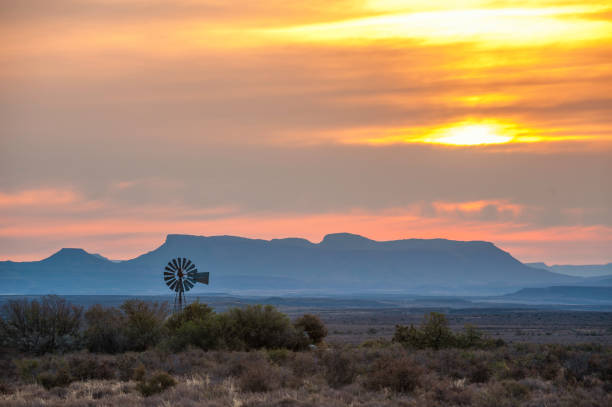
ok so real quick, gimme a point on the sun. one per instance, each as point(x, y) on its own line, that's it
point(466, 134)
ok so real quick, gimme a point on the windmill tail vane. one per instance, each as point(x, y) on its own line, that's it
point(180, 275)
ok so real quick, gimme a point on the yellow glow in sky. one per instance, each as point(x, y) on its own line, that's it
point(464, 133)
point(469, 135)
point(501, 26)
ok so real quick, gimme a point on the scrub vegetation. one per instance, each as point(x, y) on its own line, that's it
point(56, 354)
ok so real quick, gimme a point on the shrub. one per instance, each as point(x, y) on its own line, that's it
point(339, 368)
point(278, 356)
point(478, 371)
point(312, 326)
point(105, 330)
point(126, 364)
point(27, 369)
point(191, 313)
point(143, 323)
point(50, 380)
point(85, 366)
point(401, 375)
point(46, 326)
point(196, 325)
point(60, 378)
point(157, 383)
point(434, 333)
point(304, 364)
point(258, 376)
point(256, 327)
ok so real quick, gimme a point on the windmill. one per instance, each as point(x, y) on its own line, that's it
point(180, 276)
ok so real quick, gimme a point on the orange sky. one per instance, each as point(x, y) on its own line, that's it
point(125, 120)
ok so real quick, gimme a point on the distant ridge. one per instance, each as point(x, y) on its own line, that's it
point(587, 270)
point(564, 294)
point(341, 262)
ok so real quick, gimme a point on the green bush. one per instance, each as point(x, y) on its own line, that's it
point(105, 330)
point(312, 326)
point(257, 327)
point(143, 327)
point(196, 325)
point(434, 333)
point(49, 325)
point(157, 383)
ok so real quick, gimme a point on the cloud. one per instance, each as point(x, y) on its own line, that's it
point(488, 209)
point(43, 197)
point(166, 117)
point(143, 233)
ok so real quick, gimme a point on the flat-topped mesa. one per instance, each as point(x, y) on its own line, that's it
point(346, 241)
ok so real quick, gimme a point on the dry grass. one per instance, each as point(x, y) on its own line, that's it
point(385, 375)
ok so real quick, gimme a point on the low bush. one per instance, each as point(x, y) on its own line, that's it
point(27, 369)
point(339, 368)
point(304, 364)
point(156, 383)
point(337, 375)
point(86, 366)
point(401, 375)
point(314, 328)
point(434, 333)
point(258, 376)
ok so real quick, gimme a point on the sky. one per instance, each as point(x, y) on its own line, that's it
point(122, 121)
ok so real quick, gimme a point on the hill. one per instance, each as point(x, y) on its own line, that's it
point(339, 263)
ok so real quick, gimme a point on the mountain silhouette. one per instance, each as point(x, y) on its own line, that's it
point(341, 262)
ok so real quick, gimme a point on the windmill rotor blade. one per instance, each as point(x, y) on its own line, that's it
point(181, 275)
point(202, 277)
